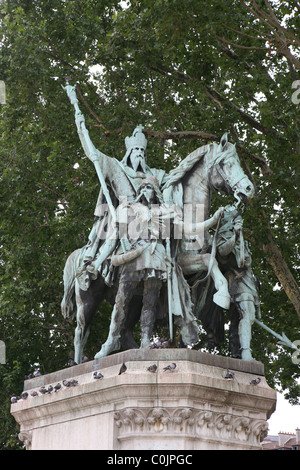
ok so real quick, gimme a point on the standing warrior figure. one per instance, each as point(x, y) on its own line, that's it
point(234, 253)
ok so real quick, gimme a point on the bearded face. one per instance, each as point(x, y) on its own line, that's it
point(147, 192)
point(137, 159)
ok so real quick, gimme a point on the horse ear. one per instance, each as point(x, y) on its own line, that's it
point(224, 140)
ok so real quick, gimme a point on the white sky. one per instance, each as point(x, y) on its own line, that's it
point(286, 418)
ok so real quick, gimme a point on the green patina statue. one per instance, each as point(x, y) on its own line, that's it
point(150, 274)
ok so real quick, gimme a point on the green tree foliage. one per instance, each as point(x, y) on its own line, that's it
point(187, 70)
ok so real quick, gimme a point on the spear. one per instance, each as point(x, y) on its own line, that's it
point(283, 339)
point(88, 146)
point(170, 288)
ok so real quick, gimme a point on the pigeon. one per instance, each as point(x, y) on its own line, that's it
point(14, 399)
point(84, 359)
point(57, 387)
point(152, 368)
point(72, 363)
point(255, 381)
point(170, 367)
point(27, 377)
point(66, 383)
point(229, 375)
point(160, 344)
point(73, 383)
point(97, 375)
point(34, 393)
point(43, 390)
point(24, 395)
point(49, 389)
point(123, 369)
point(36, 373)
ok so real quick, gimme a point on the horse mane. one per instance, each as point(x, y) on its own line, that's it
point(185, 166)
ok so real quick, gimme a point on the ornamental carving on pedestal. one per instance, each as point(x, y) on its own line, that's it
point(26, 438)
point(194, 423)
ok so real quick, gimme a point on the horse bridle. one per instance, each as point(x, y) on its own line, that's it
point(232, 184)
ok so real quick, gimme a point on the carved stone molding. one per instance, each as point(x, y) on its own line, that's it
point(194, 423)
point(26, 438)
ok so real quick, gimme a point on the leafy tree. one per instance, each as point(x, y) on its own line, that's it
point(189, 71)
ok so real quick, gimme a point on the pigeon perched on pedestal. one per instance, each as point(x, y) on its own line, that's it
point(255, 381)
point(229, 375)
point(57, 387)
point(97, 375)
point(170, 367)
point(72, 363)
point(123, 369)
point(152, 368)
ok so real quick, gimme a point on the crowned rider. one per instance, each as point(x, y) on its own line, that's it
point(120, 180)
point(124, 178)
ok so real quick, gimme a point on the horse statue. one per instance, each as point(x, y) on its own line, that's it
point(213, 167)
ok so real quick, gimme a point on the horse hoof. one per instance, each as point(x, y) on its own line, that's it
point(222, 300)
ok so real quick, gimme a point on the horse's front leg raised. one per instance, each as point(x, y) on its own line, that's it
point(192, 263)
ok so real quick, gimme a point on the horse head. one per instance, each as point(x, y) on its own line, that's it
point(225, 171)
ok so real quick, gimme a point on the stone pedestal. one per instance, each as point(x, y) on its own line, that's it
point(193, 407)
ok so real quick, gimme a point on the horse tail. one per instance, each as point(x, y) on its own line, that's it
point(68, 303)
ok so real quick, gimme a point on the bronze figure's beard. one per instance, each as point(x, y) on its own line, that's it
point(138, 164)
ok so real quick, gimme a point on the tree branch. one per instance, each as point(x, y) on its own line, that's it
point(246, 117)
point(165, 135)
point(239, 46)
point(207, 136)
point(82, 98)
point(270, 22)
point(283, 273)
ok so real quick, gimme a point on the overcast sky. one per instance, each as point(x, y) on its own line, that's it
point(286, 417)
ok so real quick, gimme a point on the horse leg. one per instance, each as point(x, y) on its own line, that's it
point(87, 303)
point(234, 341)
point(81, 331)
point(81, 336)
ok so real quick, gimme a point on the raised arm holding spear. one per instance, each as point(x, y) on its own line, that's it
point(87, 144)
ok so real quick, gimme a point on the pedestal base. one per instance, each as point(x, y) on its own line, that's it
point(193, 407)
